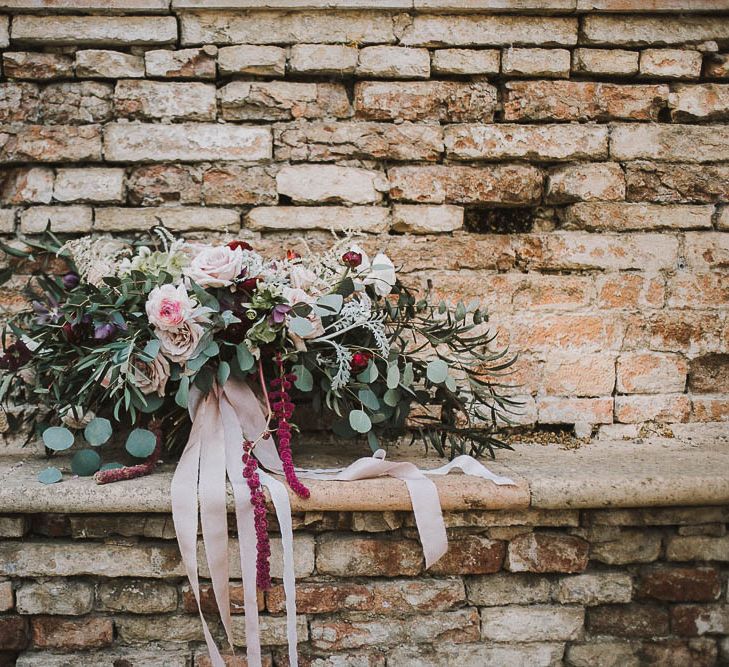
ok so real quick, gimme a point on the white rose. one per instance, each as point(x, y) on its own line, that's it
point(168, 307)
point(180, 344)
point(215, 266)
point(381, 275)
point(152, 378)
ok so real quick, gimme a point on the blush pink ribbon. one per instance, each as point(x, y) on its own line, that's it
point(221, 420)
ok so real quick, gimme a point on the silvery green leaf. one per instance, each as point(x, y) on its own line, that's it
point(369, 374)
point(369, 399)
point(246, 360)
point(460, 311)
point(228, 318)
point(329, 304)
point(98, 431)
point(393, 376)
point(450, 383)
point(181, 397)
point(212, 350)
point(141, 443)
point(373, 442)
point(223, 372)
point(151, 349)
point(408, 376)
point(437, 371)
point(304, 379)
point(359, 421)
point(391, 397)
point(300, 326)
point(85, 463)
point(50, 475)
point(57, 438)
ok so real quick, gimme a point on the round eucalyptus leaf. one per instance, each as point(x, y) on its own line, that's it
point(450, 383)
point(304, 379)
point(369, 398)
point(391, 397)
point(57, 438)
point(98, 431)
point(359, 421)
point(141, 443)
point(393, 376)
point(85, 463)
point(373, 442)
point(111, 466)
point(152, 403)
point(50, 475)
point(437, 371)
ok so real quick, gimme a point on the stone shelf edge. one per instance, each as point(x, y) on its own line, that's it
point(688, 469)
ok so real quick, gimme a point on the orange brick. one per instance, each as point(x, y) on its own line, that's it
point(651, 373)
point(656, 407)
point(702, 290)
point(559, 410)
point(72, 634)
point(710, 408)
point(630, 290)
point(579, 374)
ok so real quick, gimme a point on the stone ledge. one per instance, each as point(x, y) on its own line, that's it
point(688, 469)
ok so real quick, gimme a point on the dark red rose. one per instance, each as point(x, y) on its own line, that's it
point(240, 244)
point(359, 361)
point(352, 259)
point(249, 284)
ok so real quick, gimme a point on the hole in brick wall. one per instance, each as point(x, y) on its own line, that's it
point(499, 220)
point(664, 115)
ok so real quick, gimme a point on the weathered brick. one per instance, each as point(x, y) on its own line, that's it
point(342, 632)
point(323, 59)
point(56, 596)
point(536, 62)
point(567, 374)
point(504, 589)
point(670, 63)
point(373, 219)
point(658, 516)
point(272, 27)
point(381, 597)
point(699, 547)
point(7, 596)
point(445, 654)
point(517, 623)
point(72, 634)
point(13, 633)
point(693, 620)
point(717, 66)
point(93, 184)
point(283, 100)
point(326, 142)
point(711, 529)
point(602, 652)
point(630, 290)
point(34, 65)
point(178, 218)
point(93, 30)
point(152, 185)
point(61, 219)
point(76, 103)
point(4, 31)
point(309, 184)
point(137, 629)
point(605, 62)
point(707, 250)
point(26, 185)
point(536, 142)
point(465, 61)
point(168, 656)
point(426, 219)
point(209, 604)
point(7, 220)
point(249, 59)
point(679, 143)
point(471, 554)
point(19, 102)
point(600, 181)
point(191, 142)
point(393, 62)
point(437, 184)
point(559, 410)
point(686, 331)
point(709, 374)
point(680, 584)
point(655, 407)
point(630, 620)
point(709, 101)
point(623, 216)
point(101, 64)
point(202, 659)
point(137, 596)
point(698, 652)
point(546, 552)
point(353, 556)
point(650, 30)
point(488, 30)
point(595, 588)
point(710, 408)
point(234, 184)
point(182, 64)
point(653, 181)
point(152, 100)
point(582, 100)
point(651, 373)
point(445, 101)
point(702, 290)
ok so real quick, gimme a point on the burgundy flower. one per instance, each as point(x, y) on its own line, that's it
point(240, 244)
point(359, 361)
point(16, 355)
point(352, 259)
point(249, 284)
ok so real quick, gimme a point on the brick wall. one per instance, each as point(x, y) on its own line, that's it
point(568, 164)
point(533, 588)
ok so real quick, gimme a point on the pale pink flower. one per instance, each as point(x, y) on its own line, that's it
point(152, 377)
point(180, 344)
point(215, 266)
point(168, 307)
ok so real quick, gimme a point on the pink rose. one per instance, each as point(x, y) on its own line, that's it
point(168, 307)
point(152, 378)
point(180, 344)
point(216, 266)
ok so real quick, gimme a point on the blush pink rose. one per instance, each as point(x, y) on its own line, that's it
point(168, 307)
point(216, 266)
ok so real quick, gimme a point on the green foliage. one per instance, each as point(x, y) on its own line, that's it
point(50, 475)
point(141, 443)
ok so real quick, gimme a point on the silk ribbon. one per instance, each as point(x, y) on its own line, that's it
point(221, 420)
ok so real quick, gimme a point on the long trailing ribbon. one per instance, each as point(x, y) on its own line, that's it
point(221, 420)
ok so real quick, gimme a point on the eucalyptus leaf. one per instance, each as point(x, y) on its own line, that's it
point(329, 304)
point(393, 376)
point(246, 360)
point(197, 363)
point(151, 349)
point(98, 431)
point(141, 443)
point(373, 442)
point(359, 421)
point(85, 463)
point(391, 397)
point(50, 475)
point(369, 398)
point(300, 326)
point(450, 383)
point(304, 379)
point(369, 374)
point(437, 371)
point(183, 390)
point(151, 403)
point(57, 438)
point(204, 379)
point(408, 376)
point(212, 350)
point(111, 466)
point(223, 372)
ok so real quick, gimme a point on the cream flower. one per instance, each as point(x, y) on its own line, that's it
point(168, 307)
point(294, 296)
point(380, 273)
point(180, 344)
point(216, 266)
point(301, 277)
point(152, 378)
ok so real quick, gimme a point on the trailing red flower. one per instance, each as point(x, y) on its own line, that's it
point(359, 361)
point(283, 409)
point(258, 500)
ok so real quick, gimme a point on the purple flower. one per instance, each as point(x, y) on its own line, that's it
point(16, 356)
point(105, 332)
point(46, 314)
point(70, 280)
point(278, 314)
